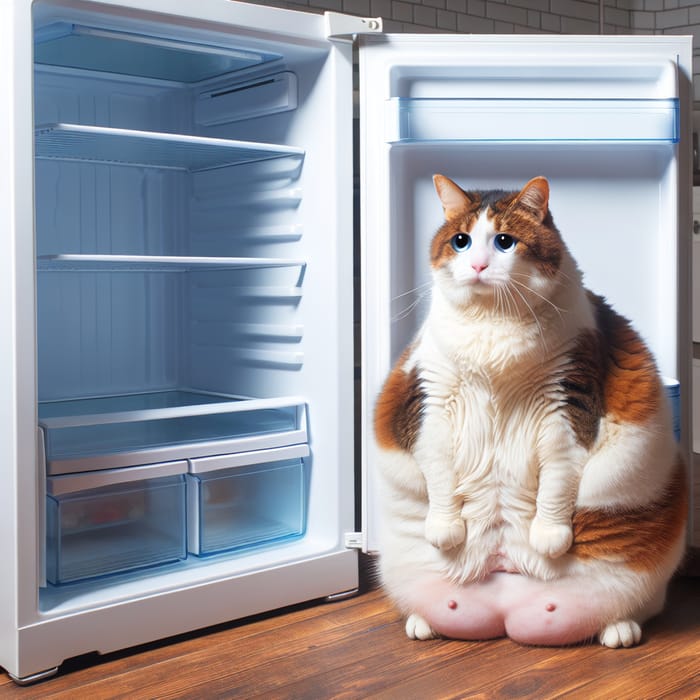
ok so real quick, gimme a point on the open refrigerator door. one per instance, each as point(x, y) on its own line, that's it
point(605, 119)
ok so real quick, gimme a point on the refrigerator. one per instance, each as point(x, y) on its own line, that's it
point(191, 342)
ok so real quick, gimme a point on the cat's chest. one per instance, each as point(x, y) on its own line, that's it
point(493, 420)
point(498, 407)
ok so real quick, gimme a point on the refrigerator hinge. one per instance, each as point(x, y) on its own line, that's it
point(344, 27)
point(353, 540)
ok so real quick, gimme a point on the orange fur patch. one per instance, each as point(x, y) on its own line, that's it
point(540, 240)
point(632, 386)
point(640, 537)
point(440, 247)
point(398, 409)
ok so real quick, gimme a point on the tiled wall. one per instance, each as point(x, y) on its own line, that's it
point(523, 16)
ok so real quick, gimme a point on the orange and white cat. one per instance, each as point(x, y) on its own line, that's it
point(531, 483)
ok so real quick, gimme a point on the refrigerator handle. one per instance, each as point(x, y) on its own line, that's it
point(345, 27)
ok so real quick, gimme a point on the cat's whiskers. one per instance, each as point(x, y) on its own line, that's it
point(507, 302)
point(534, 315)
point(558, 309)
point(422, 290)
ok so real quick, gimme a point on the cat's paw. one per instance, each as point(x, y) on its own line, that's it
point(418, 628)
point(625, 633)
point(550, 539)
point(444, 533)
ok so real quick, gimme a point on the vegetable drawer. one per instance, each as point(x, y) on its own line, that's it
point(114, 521)
point(246, 500)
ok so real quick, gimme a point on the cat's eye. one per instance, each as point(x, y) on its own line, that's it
point(461, 242)
point(504, 242)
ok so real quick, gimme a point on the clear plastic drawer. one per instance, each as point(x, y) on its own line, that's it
point(136, 519)
point(246, 500)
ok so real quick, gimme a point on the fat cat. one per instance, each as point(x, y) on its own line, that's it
point(531, 483)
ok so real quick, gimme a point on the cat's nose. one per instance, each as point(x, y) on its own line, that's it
point(479, 267)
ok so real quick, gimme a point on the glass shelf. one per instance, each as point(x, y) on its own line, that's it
point(134, 429)
point(147, 149)
point(154, 263)
point(411, 120)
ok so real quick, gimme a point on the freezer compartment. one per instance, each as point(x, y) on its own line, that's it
point(114, 521)
point(432, 119)
point(246, 500)
point(120, 431)
point(83, 47)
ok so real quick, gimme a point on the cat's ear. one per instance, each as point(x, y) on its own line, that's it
point(454, 199)
point(535, 196)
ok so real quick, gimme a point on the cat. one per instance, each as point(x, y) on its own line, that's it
point(531, 483)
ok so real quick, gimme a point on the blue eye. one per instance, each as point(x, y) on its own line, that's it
point(504, 242)
point(461, 242)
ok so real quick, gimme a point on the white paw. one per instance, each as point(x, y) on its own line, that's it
point(625, 633)
point(550, 539)
point(444, 533)
point(418, 628)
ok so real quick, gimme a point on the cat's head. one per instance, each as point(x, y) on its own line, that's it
point(496, 249)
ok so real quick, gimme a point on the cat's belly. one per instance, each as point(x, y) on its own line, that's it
point(507, 604)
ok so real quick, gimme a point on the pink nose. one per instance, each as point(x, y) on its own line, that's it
point(479, 267)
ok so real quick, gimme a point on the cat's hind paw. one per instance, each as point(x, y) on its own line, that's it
point(550, 539)
point(418, 628)
point(625, 633)
point(444, 533)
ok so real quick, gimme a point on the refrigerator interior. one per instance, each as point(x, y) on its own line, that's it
point(603, 122)
point(191, 333)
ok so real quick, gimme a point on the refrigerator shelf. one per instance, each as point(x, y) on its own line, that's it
point(150, 149)
point(545, 120)
point(155, 263)
point(135, 429)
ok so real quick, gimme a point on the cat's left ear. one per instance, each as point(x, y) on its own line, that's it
point(535, 196)
point(454, 199)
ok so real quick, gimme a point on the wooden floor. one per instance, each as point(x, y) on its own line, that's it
point(357, 649)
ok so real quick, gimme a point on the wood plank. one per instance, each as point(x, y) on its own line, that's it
point(357, 649)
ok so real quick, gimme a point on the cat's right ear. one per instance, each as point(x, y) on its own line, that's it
point(454, 199)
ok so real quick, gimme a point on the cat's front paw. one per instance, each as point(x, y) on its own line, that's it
point(418, 628)
point(625, 633)
point(550, 539)
point(444, 533)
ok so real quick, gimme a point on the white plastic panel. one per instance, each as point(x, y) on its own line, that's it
point(74, 483)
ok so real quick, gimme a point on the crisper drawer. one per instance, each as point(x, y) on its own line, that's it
point(122, 431)
point(246, 500)
point(114, 521)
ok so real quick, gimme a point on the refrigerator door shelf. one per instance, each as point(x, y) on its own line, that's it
point(155, 263)
point(150, 149)
point(84, 435)
point(552, 120)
